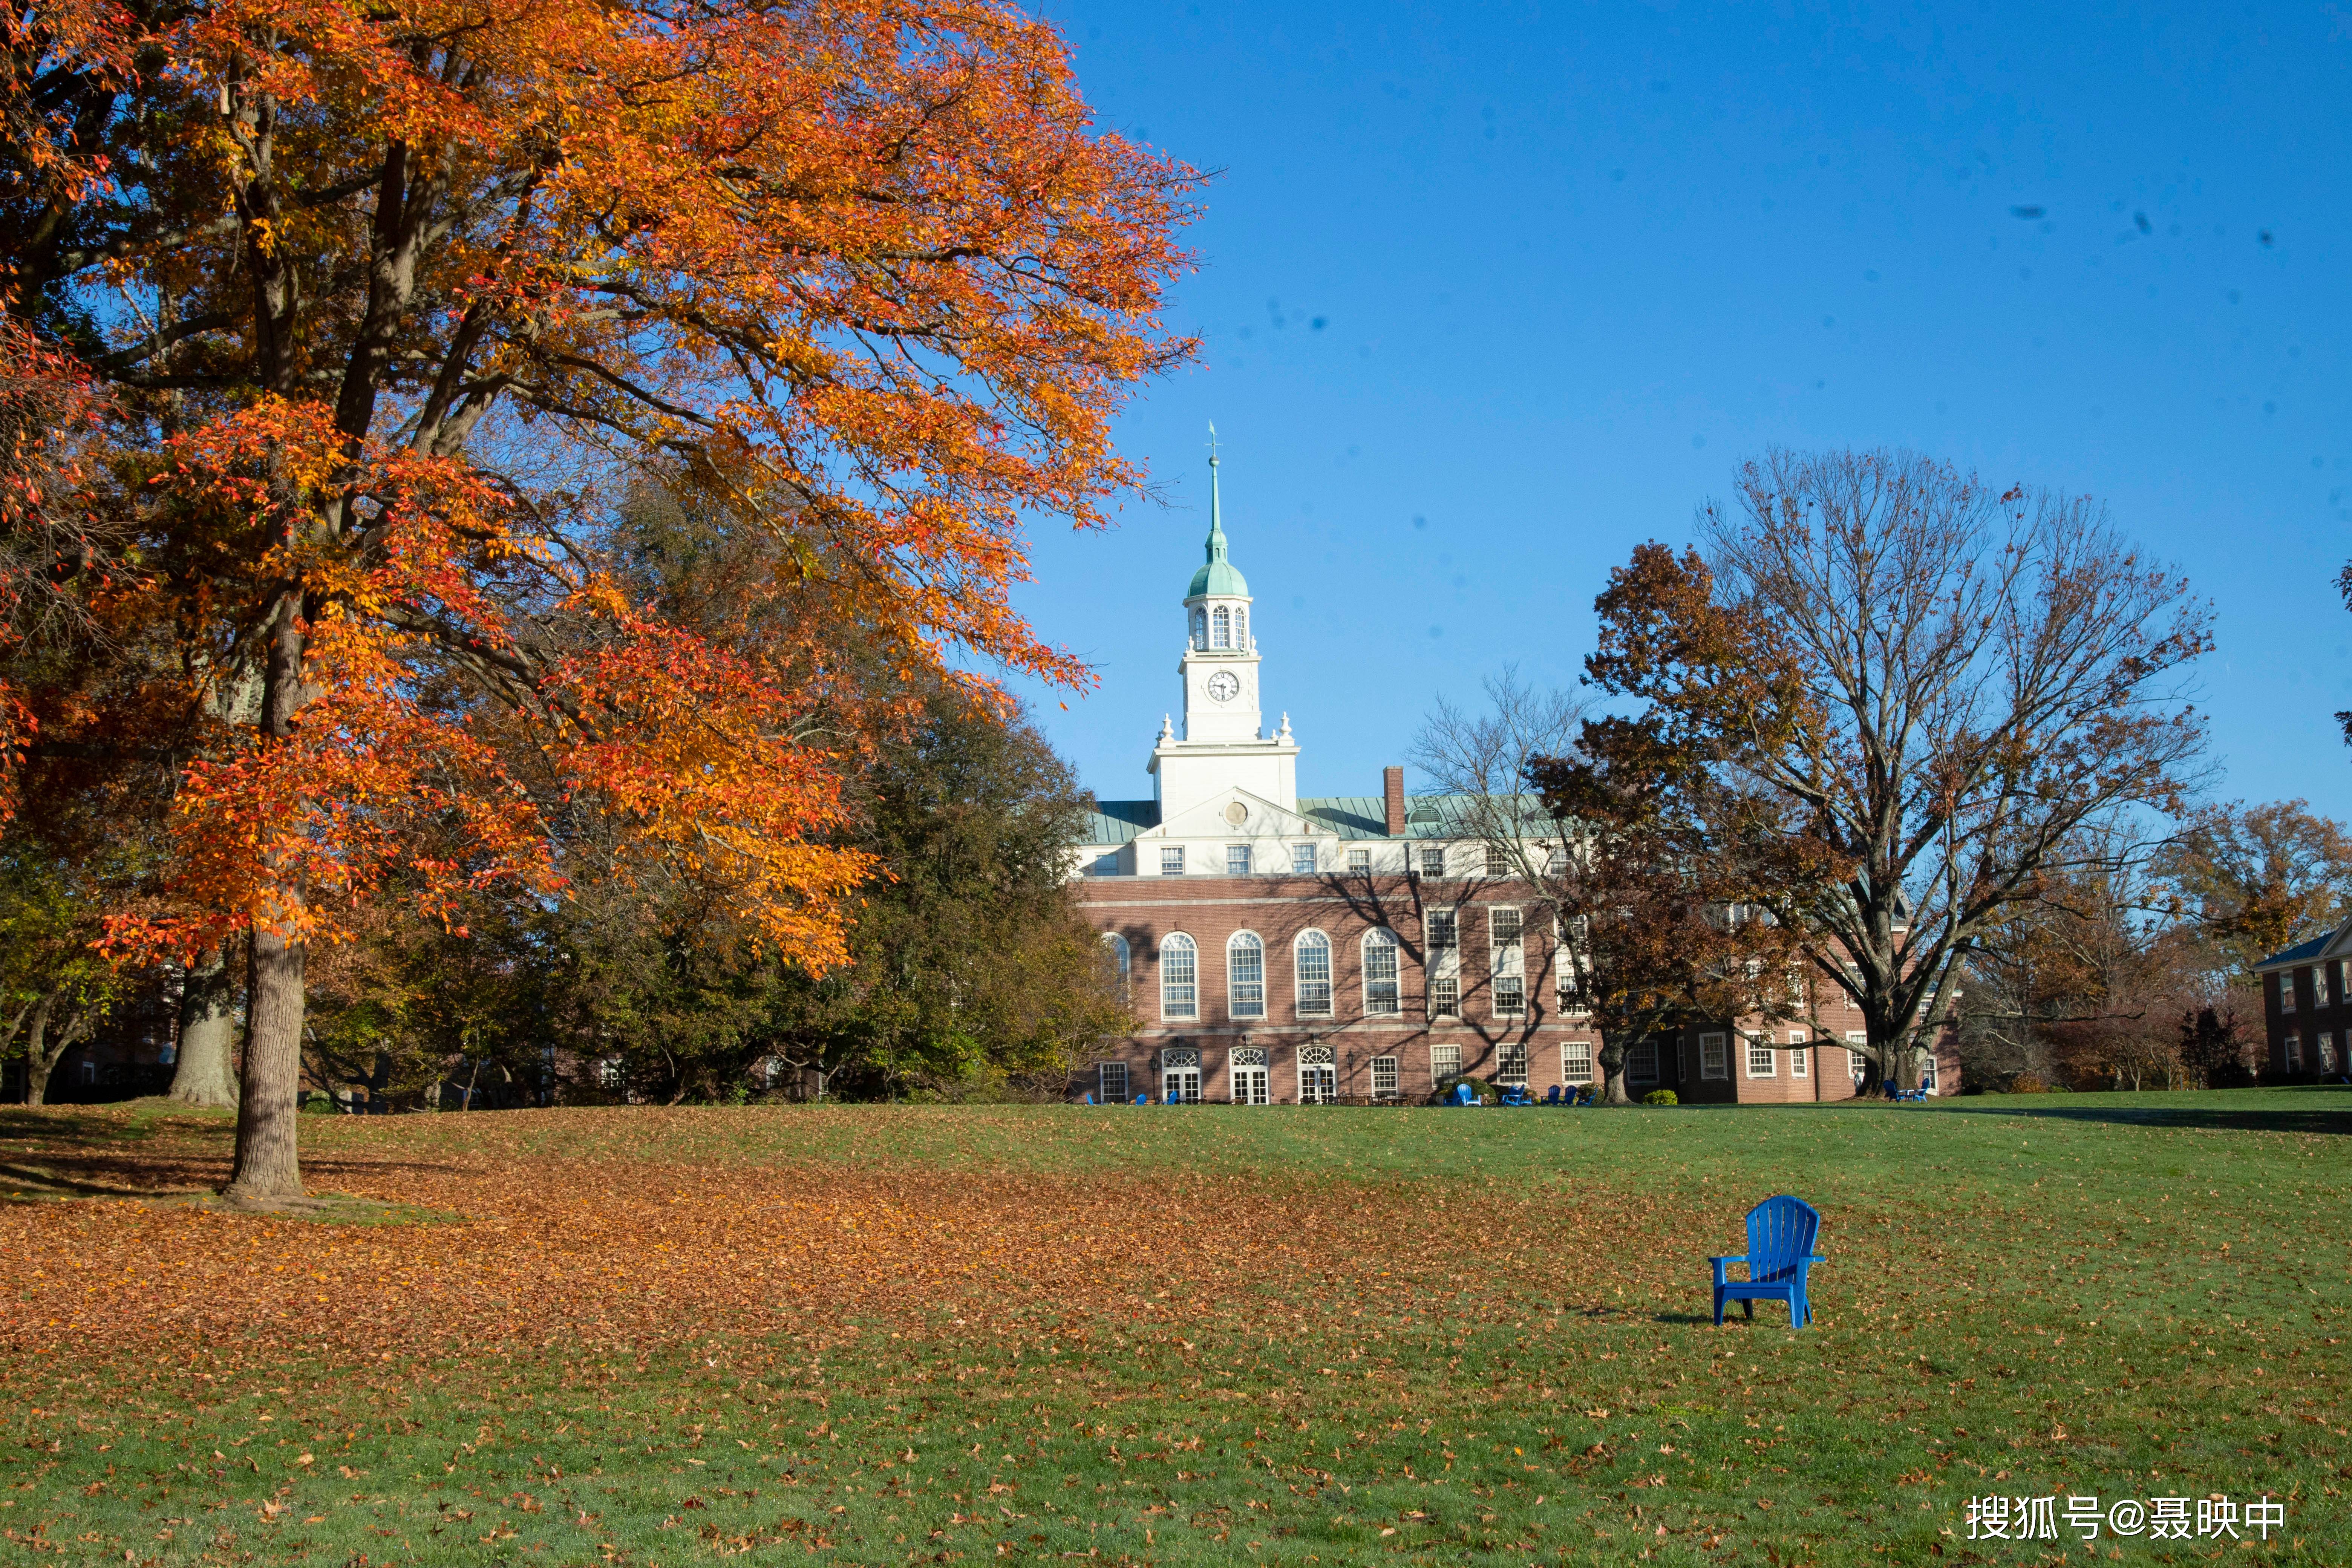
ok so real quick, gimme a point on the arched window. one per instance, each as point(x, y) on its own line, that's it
point(1221, 635)
point(1180, 977)
point(1379, 971)
point(1245, 976)
point(1312, 955)
point(1241, 629)
point(1201, 629)
point(1117, 959)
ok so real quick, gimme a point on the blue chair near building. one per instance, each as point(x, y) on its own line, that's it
point(1781, 1235)
point(1463, 1095)
point(1515, 1094)
point(1551, 1097)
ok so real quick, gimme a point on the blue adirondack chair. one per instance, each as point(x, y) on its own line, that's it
point(1142, 1100)
point(1515, 1094)
point(1463, 1095)
point(1551, 1096)
point(1780, 1234)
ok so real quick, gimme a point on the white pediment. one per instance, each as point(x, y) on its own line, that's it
point(1236, 813)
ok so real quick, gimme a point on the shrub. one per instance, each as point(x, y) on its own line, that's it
point(1478, 1086)
point(1661, 1097)
point(2026, 1083)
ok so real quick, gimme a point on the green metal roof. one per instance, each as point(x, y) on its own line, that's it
point(1349, 815)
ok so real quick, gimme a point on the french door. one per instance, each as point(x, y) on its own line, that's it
point(1317, 1086)
point(1180, 1084)
point(1249, 1086)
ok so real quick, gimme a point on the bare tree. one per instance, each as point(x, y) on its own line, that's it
point(1648, 926)
point(1914, 690)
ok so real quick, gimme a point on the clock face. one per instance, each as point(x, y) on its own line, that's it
point(1224, 686)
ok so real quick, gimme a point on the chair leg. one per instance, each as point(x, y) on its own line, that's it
point(1748, 1307)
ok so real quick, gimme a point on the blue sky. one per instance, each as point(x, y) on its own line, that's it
point(1490, 293)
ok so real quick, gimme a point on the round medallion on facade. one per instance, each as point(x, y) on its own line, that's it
point(1224, 686)
point(1236, 813)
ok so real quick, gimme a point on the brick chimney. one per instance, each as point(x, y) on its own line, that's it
point(1393, 786)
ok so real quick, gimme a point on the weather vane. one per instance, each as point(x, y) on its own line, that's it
point(1212, 440)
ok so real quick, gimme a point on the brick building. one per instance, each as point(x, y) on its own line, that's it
point(1288, 949)
point(2306, 1024)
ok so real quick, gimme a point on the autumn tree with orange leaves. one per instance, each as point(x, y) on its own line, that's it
point(395, 303)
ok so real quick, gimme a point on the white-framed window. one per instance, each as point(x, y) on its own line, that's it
point(1221, 624)
point(2286, 989)
point(1244, 976)
point(1444, 930)
point(1444, 1062)
point(2327, 1053)
point(611, 1073)
point(1576, 1062)
point(1201, 630)
point(1384, 1077)
point(2294, 1053)
point(1311, 955)
point(1302, 860)
point(1498, 860)
point(1237, 860)
point(1380, 972)
point(2319, 985)
point(1762, 1060)
point(1240, 628)
point(1110, 1082)
point(1511, 1062)
point(1714, 1058)
point(1359, 862)
point(1432, 859)
point(1180, 976)
point(1444, 996)
point(1119, 959)
point(1171, 859)
point(89, 1075)
point(1506, 959)
point(1642, 1063)
point(1799, 1062)
point(1857, 1054)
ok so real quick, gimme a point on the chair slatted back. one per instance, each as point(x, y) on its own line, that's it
point(1780, 1230)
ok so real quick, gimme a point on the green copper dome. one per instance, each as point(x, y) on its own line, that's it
point(1219, 578)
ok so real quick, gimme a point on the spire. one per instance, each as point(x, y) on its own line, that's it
point(1216, 577)
point(1216, 506)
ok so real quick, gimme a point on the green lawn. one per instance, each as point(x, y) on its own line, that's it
point(1199, 1335)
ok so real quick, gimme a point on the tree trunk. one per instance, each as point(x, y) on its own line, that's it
point(39, 1059)
point(1613, 1072)
point(1907, 1067)
point(204, 1073)
point(268, 1168)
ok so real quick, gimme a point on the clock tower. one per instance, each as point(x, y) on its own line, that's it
point(1224, 742)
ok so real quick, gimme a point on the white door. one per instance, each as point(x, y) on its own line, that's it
point(1249, 1086)
point(1316, 1086)
point(1180, 1084)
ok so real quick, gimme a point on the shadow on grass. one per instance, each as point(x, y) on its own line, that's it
point(2335, 1118)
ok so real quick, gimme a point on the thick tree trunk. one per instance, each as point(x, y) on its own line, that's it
point(1613, 1072)
point(1906, 1068)
point(41, 1059)
point(204, 1073)
point(268, 1168)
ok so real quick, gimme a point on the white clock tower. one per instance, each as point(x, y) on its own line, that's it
point(1224, 743)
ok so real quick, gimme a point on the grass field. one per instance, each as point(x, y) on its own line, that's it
point(1204, 1336)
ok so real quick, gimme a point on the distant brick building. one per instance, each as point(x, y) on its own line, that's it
point(2307, 1025)
point(1283, 949)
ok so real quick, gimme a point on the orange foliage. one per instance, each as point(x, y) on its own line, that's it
point(866, 274)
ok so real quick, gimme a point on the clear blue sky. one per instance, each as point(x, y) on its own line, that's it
point(1490, 293)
